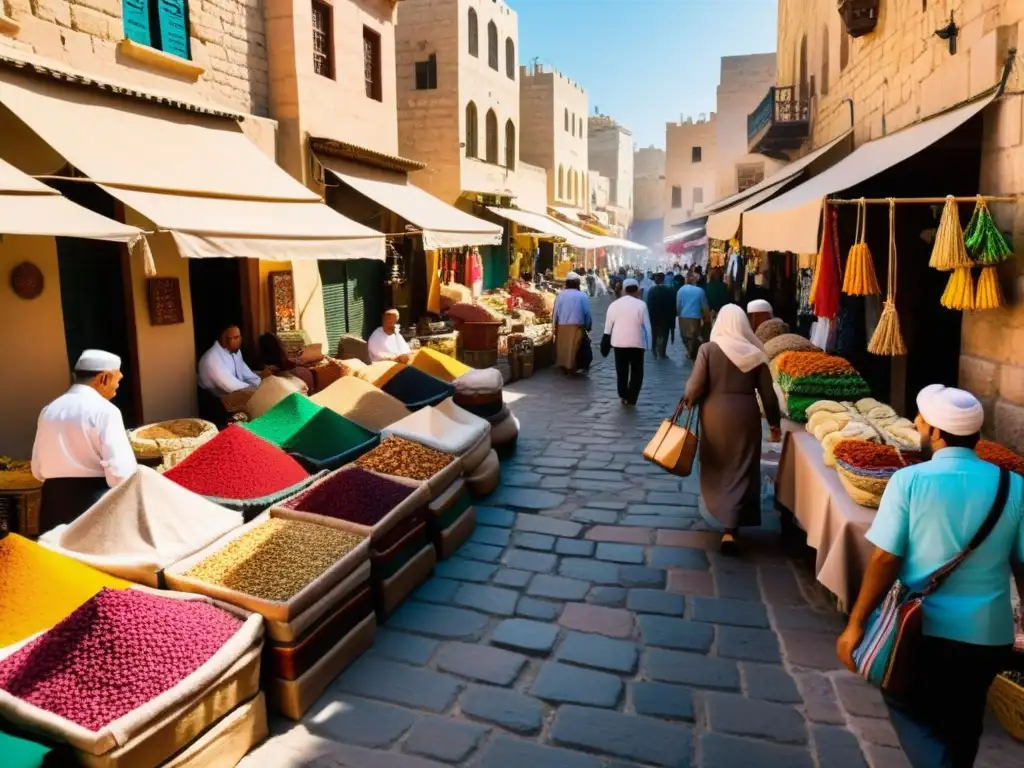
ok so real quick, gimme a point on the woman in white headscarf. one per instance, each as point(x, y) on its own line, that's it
point(728, 374)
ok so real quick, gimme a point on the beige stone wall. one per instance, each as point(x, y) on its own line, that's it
point(600, 190)
point(648, 183)
point(228, 43)
point(682, 172)
point(531, 187)
point(610, 148)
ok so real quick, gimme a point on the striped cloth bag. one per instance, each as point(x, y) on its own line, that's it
point(883, 657)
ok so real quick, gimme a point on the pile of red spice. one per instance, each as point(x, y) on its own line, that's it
point(864, 455)
point(352, 494)
point(116, 652)
point(237, 464)
point(1001, 456)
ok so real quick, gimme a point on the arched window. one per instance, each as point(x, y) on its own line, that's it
point(572, 184)
point(510, 58)
point(579, 187)
point(561, 182)
point(573, 123)
point(492, 45)
point(510, 145)
point(472, 129)
point(566, 120)
point(492, 137)
point(474, 34)
point(824, 60)
point(805, 88)
point(581, 127)
point(844, 49)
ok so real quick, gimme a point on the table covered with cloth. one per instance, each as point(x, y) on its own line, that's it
point(834, 523)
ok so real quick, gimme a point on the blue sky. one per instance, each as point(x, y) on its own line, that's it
point(644, 62)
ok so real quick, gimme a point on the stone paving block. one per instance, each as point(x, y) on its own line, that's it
point(591, 474)
point(438, 621)
point(315, 752)
point(524, 559)
point(837, 746)
point(620, 535)
point(691, 669)
point(810, 649)
point(597, 619)
point(525, 498)
point(542, 610)
point(705, 540)
point(608, 504)
point(629, 736)
point(353, 720)
point(809, 620)
point(573, 685)
point(780, 586)
point(465, 570)
point(500, 602)
point(589, 570)
point(549, 525)
point(558, 587)
point(672, 498)
point(621, 553)
point(574, 547)
point(555, 483)
point(503, 518)
point(737, 583)
point(400, 646)
point(770, 683)
point(552, 471)
point(507, 752)
point(525, 635)
point(540, 542)
point(747, 644)
point(670, 632)
point(695, 583)
point(659, 510)
point(875, 731)
point(595, 485)
point(663, 700)
point(718, 751)
point(655, 521)
point(437, 590)
point(593, 515)
point(482, 552)
point(480, 662)
point(510, 577)
point(487, 534)
point(598, 652)
point(641, 576)
point(820, 702)
point(399, 684)
point(680, 557)
point(655, 601)
point(887, 757)
point(739, 613)
point(590, 464)
point(859, 698)
point(512, 711)
point(613, 597)
point(737, 715)
point(555, 462)
point(443, 739)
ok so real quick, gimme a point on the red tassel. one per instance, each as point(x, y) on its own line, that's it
point(826, 295)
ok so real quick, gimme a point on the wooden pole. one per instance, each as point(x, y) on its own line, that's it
point(925, 200)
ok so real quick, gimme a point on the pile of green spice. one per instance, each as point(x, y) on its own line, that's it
point(300, 426)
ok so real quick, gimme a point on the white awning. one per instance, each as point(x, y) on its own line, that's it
point(29, 207)
point(598, 241)
point(687, 235)
point(724, 224)
point(181, 170)
point(629, 245)
point(572, 214)
point(790, 222)
point(443, 225)
point(545, 225)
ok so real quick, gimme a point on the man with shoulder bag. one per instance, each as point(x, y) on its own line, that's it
point(947, 537)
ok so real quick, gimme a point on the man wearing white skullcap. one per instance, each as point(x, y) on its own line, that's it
point(627, 330)
point(759, 311)
point(572, 319)
point(930, 513)
point(81, 448)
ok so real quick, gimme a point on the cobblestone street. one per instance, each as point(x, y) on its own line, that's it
point(591, 622)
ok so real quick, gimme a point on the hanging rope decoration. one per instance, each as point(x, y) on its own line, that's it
point(949, 252)
point(990, 294)
point(887, 339)
point(825, 286)
point(959, 293)
point(860, 278)
point(987, 245)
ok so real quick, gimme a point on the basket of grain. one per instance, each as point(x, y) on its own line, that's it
point(866, 468)
point(167, 443)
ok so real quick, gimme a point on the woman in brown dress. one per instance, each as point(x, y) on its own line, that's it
point(728, 371)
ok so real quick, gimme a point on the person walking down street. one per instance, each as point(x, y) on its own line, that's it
point(629, 325)
point(678, 281)
point(572, 319)
point(692, 309)
point(645, 285)
point(729, 370)
point(661, 306)
point(702, 279)
point(716, 291)
point(929, 514)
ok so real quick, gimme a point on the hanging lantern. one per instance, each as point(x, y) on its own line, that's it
point(859, 16)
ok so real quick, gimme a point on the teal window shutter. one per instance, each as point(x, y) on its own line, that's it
point(136, 21)
point(172, 17)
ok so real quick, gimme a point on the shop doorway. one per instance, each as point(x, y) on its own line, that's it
point(216, 291)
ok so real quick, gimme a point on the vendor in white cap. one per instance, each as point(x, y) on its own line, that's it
point(572, 319)
point(387, 343)
point(759, 311)
point(930, 513)
point(81, 448)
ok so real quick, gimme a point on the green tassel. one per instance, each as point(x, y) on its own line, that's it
point(983, 239)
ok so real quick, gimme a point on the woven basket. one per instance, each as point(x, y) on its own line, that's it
point(149, 444)
point(866, 491)
point(1006, 700)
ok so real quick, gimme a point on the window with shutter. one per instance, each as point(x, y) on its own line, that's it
point(332, 279)
point(677, 197)
point(371, 65)
point(492, 45)
point(426, 74)
point(160, 24)
point(323, 42)
point(510, 58)
point(472, 128)
point(510, 145)
point(492, 137)
point(474, 34)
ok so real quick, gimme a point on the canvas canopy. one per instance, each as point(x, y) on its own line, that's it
point(545, 225)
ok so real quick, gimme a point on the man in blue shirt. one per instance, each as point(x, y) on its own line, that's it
point(692, 310)
point(928, 515)
point(572, 319)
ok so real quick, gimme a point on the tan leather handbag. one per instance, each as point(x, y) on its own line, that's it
point(674, 447)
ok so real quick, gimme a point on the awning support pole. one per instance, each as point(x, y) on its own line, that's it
point(928, 200)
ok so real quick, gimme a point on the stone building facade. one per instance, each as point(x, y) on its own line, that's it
point(554, 110)
point(902, 73)
point(610, 151)
point(648, 184)
point(691, 173)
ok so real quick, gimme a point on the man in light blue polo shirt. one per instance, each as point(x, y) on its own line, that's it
point(692, 310)
point(928, 515)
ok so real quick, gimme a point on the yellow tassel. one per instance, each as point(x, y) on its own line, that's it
point(860, 278)
point(959, 293)
point(949, 252)
point(888, 339)
point(990, 293)
point(140, 244)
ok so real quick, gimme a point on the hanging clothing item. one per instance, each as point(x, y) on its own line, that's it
point(433, 259)
point(805, 276)
point(476, 272)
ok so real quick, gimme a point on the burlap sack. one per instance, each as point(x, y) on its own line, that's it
point(290, 631)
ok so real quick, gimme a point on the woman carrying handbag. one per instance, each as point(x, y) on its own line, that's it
point(730, 371)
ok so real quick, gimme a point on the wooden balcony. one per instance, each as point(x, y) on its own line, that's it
point(780, 123)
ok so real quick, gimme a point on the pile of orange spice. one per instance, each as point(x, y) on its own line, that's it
point(863, 455)
point(813, 364)
point(994, 453)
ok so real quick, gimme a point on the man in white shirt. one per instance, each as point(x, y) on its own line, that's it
point(629, 326)
point(222, 369)
point(759, 312)
point(81, 448)
point(386, 343)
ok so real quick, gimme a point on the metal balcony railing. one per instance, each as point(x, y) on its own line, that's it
point(780, 115)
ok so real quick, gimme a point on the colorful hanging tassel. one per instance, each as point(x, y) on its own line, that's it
point(860, 278)
point(983, 239)
point(990, 293)
point(959, 293)
point(949, 252)
point(826, 287)
point(888, 339)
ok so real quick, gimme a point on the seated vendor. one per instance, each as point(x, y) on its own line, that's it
point(759, 311)
point(222, 370)
point(386, 343)
point(81, 448)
